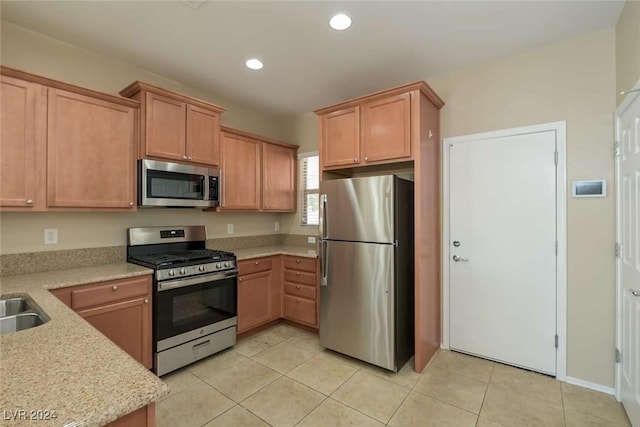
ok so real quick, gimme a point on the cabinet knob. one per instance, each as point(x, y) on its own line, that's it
point(297, 274)
point(366, 159)
point(239, 279)
point(130, 203)
point(30, 202)
point(355, 160)
point(146, 300)
point(184, 157)
point(189, 157)
point(297, 300)
point(257, 262)
point(114, 287)
point(297, 286)
point(297, 261)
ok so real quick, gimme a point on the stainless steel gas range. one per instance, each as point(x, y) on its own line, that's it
point(195, 293)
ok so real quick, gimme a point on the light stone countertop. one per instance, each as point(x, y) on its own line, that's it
point(66, 366)
point(302, 251)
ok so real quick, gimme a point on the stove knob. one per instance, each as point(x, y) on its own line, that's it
point(172, 273)
point(202, 268)
point(183, 271)
point(218, 265)
point(227, 264)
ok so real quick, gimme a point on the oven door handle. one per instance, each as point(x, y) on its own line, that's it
point(181, 283)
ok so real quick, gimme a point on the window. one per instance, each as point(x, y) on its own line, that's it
point(309, 184)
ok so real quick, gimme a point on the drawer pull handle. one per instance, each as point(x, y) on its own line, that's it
point(114, 287)
point(146, 300)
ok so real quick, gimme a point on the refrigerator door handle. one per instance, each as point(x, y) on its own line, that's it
point(322, 217)
point(323, 261)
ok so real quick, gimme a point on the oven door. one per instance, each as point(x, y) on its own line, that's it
point(192, 307)
point(174, 184)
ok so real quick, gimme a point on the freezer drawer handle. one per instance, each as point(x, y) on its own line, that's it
point(323, 262)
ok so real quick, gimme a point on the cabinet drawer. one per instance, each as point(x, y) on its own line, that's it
point(300, 290)
point(299, 309)
point(300, 277)
point(300, 263)
point(106, 292)
point(255, 265)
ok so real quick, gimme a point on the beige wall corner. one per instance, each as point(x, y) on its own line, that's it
point(628, 47)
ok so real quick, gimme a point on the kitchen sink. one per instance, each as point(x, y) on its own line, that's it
point(20, 312)
point(12, 306)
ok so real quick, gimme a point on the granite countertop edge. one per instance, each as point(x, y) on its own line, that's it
point(263, 251)
point(74, 370)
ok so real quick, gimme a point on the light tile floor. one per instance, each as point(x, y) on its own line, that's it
point(282, 377)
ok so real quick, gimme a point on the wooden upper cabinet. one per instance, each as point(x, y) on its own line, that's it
point(278, 178)
point(177, 127)
point(90, 152)
point(203, 135)
point(22, 143)
point(380, 128)
point(340, 138)
point(64, 147)
point(386, 128)
point(240, 172)
point(256, 173)
point(166, 125)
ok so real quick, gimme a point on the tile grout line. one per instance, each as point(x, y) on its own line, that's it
point(486, 391)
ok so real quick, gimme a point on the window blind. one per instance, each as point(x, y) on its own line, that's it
point(309, 186)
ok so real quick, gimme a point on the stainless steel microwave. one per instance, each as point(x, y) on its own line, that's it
point(177, 185)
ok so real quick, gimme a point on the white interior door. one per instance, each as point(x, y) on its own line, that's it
point(628, 217)
point(502, 249)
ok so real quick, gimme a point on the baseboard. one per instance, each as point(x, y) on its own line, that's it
point(590, 385)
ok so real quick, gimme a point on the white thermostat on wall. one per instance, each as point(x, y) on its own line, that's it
point(591, 188)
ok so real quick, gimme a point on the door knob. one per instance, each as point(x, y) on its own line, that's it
point(634, 293)
point(457, 258)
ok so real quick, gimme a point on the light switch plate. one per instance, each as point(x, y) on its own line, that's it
point(229, 228)
point(50, 236)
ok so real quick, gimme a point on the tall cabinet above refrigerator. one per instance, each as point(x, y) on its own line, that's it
point(367, 282)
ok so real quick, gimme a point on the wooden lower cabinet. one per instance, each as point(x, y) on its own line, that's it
point(282, 286)
point(300, 284)
point(259, 292)
point(120, 309)
point(143, 417)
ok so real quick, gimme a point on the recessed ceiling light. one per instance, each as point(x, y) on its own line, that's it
point(254, 64)
point(340, 22)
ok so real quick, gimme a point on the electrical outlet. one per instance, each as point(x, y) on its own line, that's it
point(276, 226)
point(311, 239)
point(229, 228)
point(50, 236)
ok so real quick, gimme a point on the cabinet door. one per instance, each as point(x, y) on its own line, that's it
point(90, 152)
point(254, 300)
point(166, 125)
point(240, 170)
point(127, 324)
point(341, 138)
point(203, 136)
point(278, 178)
point(21, 143)
point(386, 129)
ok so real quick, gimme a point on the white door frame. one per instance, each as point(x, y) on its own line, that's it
point(561, 227)
point(626, 103)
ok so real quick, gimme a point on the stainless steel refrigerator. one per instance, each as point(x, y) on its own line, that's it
point(366, 250)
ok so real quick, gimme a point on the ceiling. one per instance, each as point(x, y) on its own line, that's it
point(307, 64)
